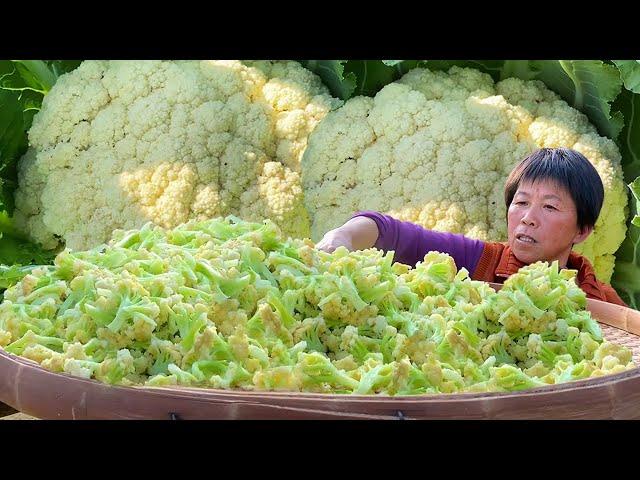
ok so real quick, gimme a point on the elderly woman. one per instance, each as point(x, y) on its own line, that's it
point(553, 197)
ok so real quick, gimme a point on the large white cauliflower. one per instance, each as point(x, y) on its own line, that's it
point(119, 143)
point(435, 148)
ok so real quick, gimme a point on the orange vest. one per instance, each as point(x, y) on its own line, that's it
point(498, 262)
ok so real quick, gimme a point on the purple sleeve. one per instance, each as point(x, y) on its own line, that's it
point(411, 242)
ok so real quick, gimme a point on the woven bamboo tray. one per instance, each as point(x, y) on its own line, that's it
point(35, 391)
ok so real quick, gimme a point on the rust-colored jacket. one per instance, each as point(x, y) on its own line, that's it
point(498, 262)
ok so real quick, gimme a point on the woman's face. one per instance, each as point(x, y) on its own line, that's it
point(543, 223)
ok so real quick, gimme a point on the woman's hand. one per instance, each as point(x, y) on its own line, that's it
point(335, 238)
point(357, 234)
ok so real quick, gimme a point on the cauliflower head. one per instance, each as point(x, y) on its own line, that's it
point(120, 143)
point(435, 148)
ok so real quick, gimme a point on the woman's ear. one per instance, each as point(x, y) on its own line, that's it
point(582, 234)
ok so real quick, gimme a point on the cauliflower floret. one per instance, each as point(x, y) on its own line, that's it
point(435, 148)
point(125, 142)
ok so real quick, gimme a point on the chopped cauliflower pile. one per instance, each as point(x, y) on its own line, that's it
point(230, 304)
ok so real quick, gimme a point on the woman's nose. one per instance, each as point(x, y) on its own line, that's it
point(528, 220)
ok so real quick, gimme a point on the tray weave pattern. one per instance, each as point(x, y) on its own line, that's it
point(629, 340)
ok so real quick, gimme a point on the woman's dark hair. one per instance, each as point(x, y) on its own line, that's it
point(567, 168)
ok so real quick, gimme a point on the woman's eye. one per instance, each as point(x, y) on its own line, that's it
point(550, 207)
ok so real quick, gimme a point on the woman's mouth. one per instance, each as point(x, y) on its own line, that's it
point(525, 239)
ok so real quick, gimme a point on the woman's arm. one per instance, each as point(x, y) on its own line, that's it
point(409, 241)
